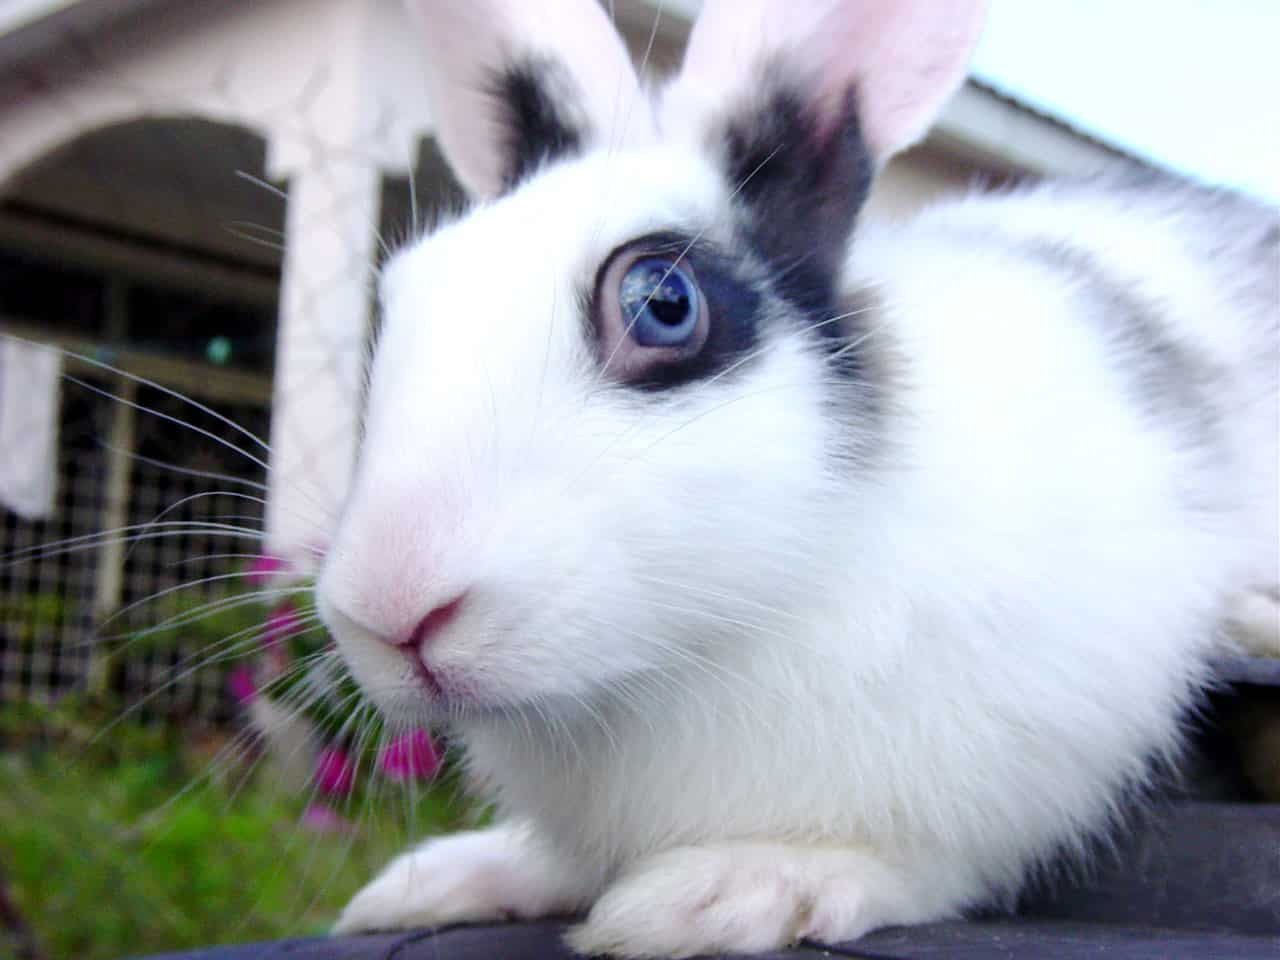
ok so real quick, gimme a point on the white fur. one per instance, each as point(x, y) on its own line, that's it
point(497, 874)
point(727, 691)
point(1255, 623)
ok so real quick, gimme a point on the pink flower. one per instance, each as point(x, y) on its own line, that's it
point(263, 568)
point(335, 773)
point(282, 623)
point(321, 818)
point(240, 684)
point(274, 664)
point(410, 756)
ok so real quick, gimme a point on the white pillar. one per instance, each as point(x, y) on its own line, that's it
point(108, 572)
point(325, 300)
point(331, 152)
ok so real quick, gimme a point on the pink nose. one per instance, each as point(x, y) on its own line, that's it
point(430, 625)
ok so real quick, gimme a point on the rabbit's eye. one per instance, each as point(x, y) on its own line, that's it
point(659, 303)
point(652, 312)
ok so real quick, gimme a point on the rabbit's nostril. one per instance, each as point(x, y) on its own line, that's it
point(431, 624)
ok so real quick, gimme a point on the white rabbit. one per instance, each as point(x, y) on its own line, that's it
point(780, 579)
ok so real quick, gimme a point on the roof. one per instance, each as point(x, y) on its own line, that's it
point(28, 27)
point(984, 123)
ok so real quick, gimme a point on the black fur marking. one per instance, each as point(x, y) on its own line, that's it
point(736, 310)
point(1270, 243)
point(1172, 385)
point(538, 130)
point(801, 180)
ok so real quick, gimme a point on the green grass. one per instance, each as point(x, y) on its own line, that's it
point(111, 851)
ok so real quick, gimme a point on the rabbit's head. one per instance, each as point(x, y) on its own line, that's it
point(613, 404)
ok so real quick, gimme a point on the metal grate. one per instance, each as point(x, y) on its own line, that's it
point(54, 631)
point(46, 601)
point(167, 573)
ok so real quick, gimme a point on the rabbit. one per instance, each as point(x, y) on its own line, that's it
point(779, 575)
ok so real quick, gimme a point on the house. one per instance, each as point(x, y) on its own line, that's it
point(196, 193)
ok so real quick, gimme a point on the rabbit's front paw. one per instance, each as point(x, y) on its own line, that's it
point(1254, 621)
point(740, 899)
point(493, 874)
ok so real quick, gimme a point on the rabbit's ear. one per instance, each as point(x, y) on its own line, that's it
point(801, 100)
point(899, 60)
point(515, 84)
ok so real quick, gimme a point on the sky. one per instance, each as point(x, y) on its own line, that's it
point(1192, 83)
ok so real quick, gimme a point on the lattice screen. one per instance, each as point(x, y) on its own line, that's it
point(185, 520)
point(46, 602)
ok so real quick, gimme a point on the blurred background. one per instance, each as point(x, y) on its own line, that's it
point(193, 198)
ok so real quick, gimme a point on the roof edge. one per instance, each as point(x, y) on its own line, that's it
point(17, 15)
point(29, 27)
point(981, 123)
point(997, 130)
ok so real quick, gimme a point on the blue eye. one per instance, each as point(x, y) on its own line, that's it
point(659, 302)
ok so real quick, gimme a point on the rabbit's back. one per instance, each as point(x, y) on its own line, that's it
point(1124, 321)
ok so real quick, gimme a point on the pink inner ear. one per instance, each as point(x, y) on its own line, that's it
point(904, 58)
point(907, 57)
point(470, 41)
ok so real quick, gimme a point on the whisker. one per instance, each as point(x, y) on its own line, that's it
point(143, 381)
point(209, 434)
point(206, 557)
point(738, 399)
point(259, 182)
point(245, 230)
point(168, 591)
point(718, 595)
point(186, 471)
point(193, 498)
point(151, 695)
point(125, 535)
point(207, 610)
point(640, 423)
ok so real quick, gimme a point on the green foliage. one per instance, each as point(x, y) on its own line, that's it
point(237, 627)
point(215, 622)
point(138, 842)
point(33, 615)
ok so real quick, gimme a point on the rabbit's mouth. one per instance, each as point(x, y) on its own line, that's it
point(428, 678)
point(446, 688)
point(416, 647)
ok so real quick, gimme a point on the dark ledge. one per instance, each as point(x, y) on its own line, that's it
point(1253, 671)
point(1013, 940)
point(1198, 880)
point(1202, 881)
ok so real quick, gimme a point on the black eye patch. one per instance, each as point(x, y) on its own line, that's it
point(799, 184)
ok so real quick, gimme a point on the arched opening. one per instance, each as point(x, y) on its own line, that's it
point(164, 206)
point(151, 245)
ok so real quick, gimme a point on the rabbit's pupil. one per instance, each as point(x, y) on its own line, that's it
point(659, 303)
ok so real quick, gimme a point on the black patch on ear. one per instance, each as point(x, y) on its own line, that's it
point(800, 181)
point(538, 130)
